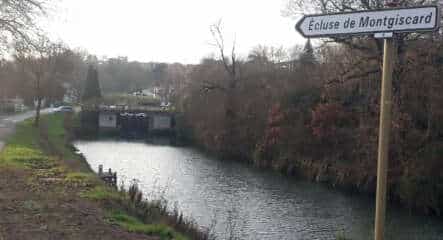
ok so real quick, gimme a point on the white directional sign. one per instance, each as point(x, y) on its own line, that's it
point(423, 18)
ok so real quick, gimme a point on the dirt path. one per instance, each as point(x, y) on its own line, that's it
point(34, 213)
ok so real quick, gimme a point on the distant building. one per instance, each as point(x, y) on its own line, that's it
point(16, 104)
point(70, 96)
point(151, 92)
point(154, 92)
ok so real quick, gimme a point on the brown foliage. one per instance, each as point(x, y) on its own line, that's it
point(288, 112)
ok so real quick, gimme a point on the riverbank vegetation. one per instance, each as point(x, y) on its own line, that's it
point(40, 164)
point(129, 209)
point(316, 115)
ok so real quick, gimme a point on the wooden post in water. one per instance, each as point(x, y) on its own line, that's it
point(108, 177)
point(384, 136)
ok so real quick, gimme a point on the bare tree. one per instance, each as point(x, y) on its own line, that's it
point(41, 60)
point(77, 59)
point(230, 63)
point(18, 20)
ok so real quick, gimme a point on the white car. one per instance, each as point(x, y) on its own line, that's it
point(64, 109)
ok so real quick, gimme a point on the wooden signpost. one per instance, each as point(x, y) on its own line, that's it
point(382, 23)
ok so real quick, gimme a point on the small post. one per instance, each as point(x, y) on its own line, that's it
point(114, 182)
point(384, 135)
point(100, 169)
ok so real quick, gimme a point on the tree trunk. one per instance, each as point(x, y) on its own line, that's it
point(37, 111)
point(39, 103)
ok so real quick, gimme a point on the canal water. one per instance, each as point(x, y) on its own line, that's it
point(250, 203)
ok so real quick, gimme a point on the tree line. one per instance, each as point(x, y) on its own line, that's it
point(317, 114)
point(42, 71)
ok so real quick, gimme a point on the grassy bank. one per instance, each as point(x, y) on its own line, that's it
point(48, 164)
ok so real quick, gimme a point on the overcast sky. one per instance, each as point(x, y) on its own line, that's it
point(169, 30)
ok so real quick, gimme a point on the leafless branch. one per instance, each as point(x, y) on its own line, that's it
point(219, 42)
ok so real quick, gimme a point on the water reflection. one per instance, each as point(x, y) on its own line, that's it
point(255, 204)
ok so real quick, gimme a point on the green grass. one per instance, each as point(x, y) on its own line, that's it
point(341, 236)
point(80, 176)
point(102, 193)
point(21, 156)
point(134, 225)
point(22, 149)
point(56, 128)
point(80, 179)
point(59, 142)
point(35, 148)
point(25, 135)
point(57, 135)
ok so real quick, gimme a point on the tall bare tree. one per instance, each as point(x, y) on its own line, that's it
point(43, 61)
point(18, 20)
point(230, 63)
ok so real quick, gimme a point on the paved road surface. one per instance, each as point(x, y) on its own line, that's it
point(7, 123)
